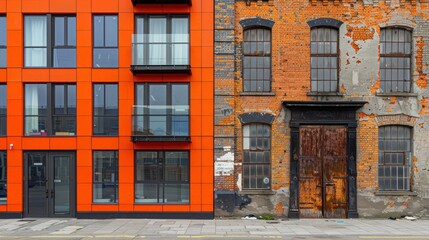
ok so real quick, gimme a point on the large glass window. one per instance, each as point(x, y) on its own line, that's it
point(257, 60)
point(3, 177)
point(50, 41)
point(161, 110)
point(395, 60)
point(105, 109)
point(50, 109)
point(105, 184)
point(394, 157)
point(161, 40)
point(324, 59)
point(3, 112)
point(256, 156)
point(2, 41)
point(162, 177)
point(105, 39)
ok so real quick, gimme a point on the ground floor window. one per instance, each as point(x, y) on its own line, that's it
point(162, 177)
point(105, 188)
point(394, 158)
point(3, 178)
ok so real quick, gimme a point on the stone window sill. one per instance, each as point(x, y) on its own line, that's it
point(325, 94)
point(255, 94)
point(257, 192)
point(395, 193)
point(396, 94)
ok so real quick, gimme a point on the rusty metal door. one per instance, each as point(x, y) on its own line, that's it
point(322, 172)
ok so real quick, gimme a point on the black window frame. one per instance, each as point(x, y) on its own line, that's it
point(247, 158)
point(50, 111)
point(104, 115)
point(160, 180)
point(3, 33)
point(170, 136)
point(406, 84)
point(94, 47)
point(115, 183)
point(250, 56)
point(3, 113)
point(50, 39)
point(3, 182)
point(390, 162)
point(324, 55)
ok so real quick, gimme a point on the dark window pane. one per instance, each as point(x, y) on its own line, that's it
point(71, 33)
point(59, 31)
point(2, 31)
point(105, 57)
point(3, 177)
point(64, 58)
point(105, 177)
point(98, 31)
point(59, 99)
point(112, 98)
point(2, 58)
point(111, 31)
point(71, 99)
point(99, 99)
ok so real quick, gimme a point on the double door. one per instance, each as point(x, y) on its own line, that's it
point(323, 172)
point(49, 184)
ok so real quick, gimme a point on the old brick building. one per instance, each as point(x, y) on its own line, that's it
point(321, 107)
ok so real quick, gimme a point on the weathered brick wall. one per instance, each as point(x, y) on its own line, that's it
point(359, 80)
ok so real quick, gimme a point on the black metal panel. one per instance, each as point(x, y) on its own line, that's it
point(160, 139)
point(138, 69)
point(147, 215)
point(10, 215)
point(135, 2)
point(256, 22)
point(323, 113)
point(325, 22)
point(255, 117)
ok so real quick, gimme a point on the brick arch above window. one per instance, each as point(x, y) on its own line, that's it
point(256, 117)
point(398, 119)
point(257, 22)
point(325, 22)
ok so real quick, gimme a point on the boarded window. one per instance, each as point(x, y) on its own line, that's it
point(257, 60)
point(256, 156)
point(394, 157)
point(395, 60)
point(324, 59)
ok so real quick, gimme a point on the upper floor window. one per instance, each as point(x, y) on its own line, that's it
point(394, 157)
point(2, 41)
point(50, 109)
point(256, 156)
point(105, 184)
point(395, 60)
point(50, 41)
point(3, 177)
point(3, 113)
point(105, 53)
point(257, 60)
point(161, 40)
point(162, 110)
point(106, 109)
point(324, 59)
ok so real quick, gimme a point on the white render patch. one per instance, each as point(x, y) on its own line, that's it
point(224, 166)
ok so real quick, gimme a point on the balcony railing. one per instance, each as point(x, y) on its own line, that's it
point(135, 2)
point(160, 123)
point(160, 53)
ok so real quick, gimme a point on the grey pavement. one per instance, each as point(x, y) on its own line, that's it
point(212, 229)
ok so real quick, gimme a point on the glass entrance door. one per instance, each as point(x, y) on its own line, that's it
point(49, 184)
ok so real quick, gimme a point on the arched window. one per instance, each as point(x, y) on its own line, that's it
point(256, 156)
point(395, 60)
point(394, 157)
point(257, 60)
point(324, 59)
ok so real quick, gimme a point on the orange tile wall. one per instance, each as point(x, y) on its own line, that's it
point(201, 95)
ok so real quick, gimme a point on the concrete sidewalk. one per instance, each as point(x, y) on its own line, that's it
point(208, 229)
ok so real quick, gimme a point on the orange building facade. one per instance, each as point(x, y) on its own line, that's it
point(108, 108)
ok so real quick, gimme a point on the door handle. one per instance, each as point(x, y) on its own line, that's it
point(47, 193)
point(52, 194)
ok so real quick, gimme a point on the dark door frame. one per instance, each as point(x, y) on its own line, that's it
point(323, 113)
point(49, 171)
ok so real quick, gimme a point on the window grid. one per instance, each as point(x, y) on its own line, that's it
point(257, 60)
point(256, 156)
point(3, 110)
point(105, 176)
point(324, 59)
point(105, 53)
point(162, 177)
point(395, 60)
point(3, 177)
point(3, 41)
point(394, 160)
point(105, 119)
